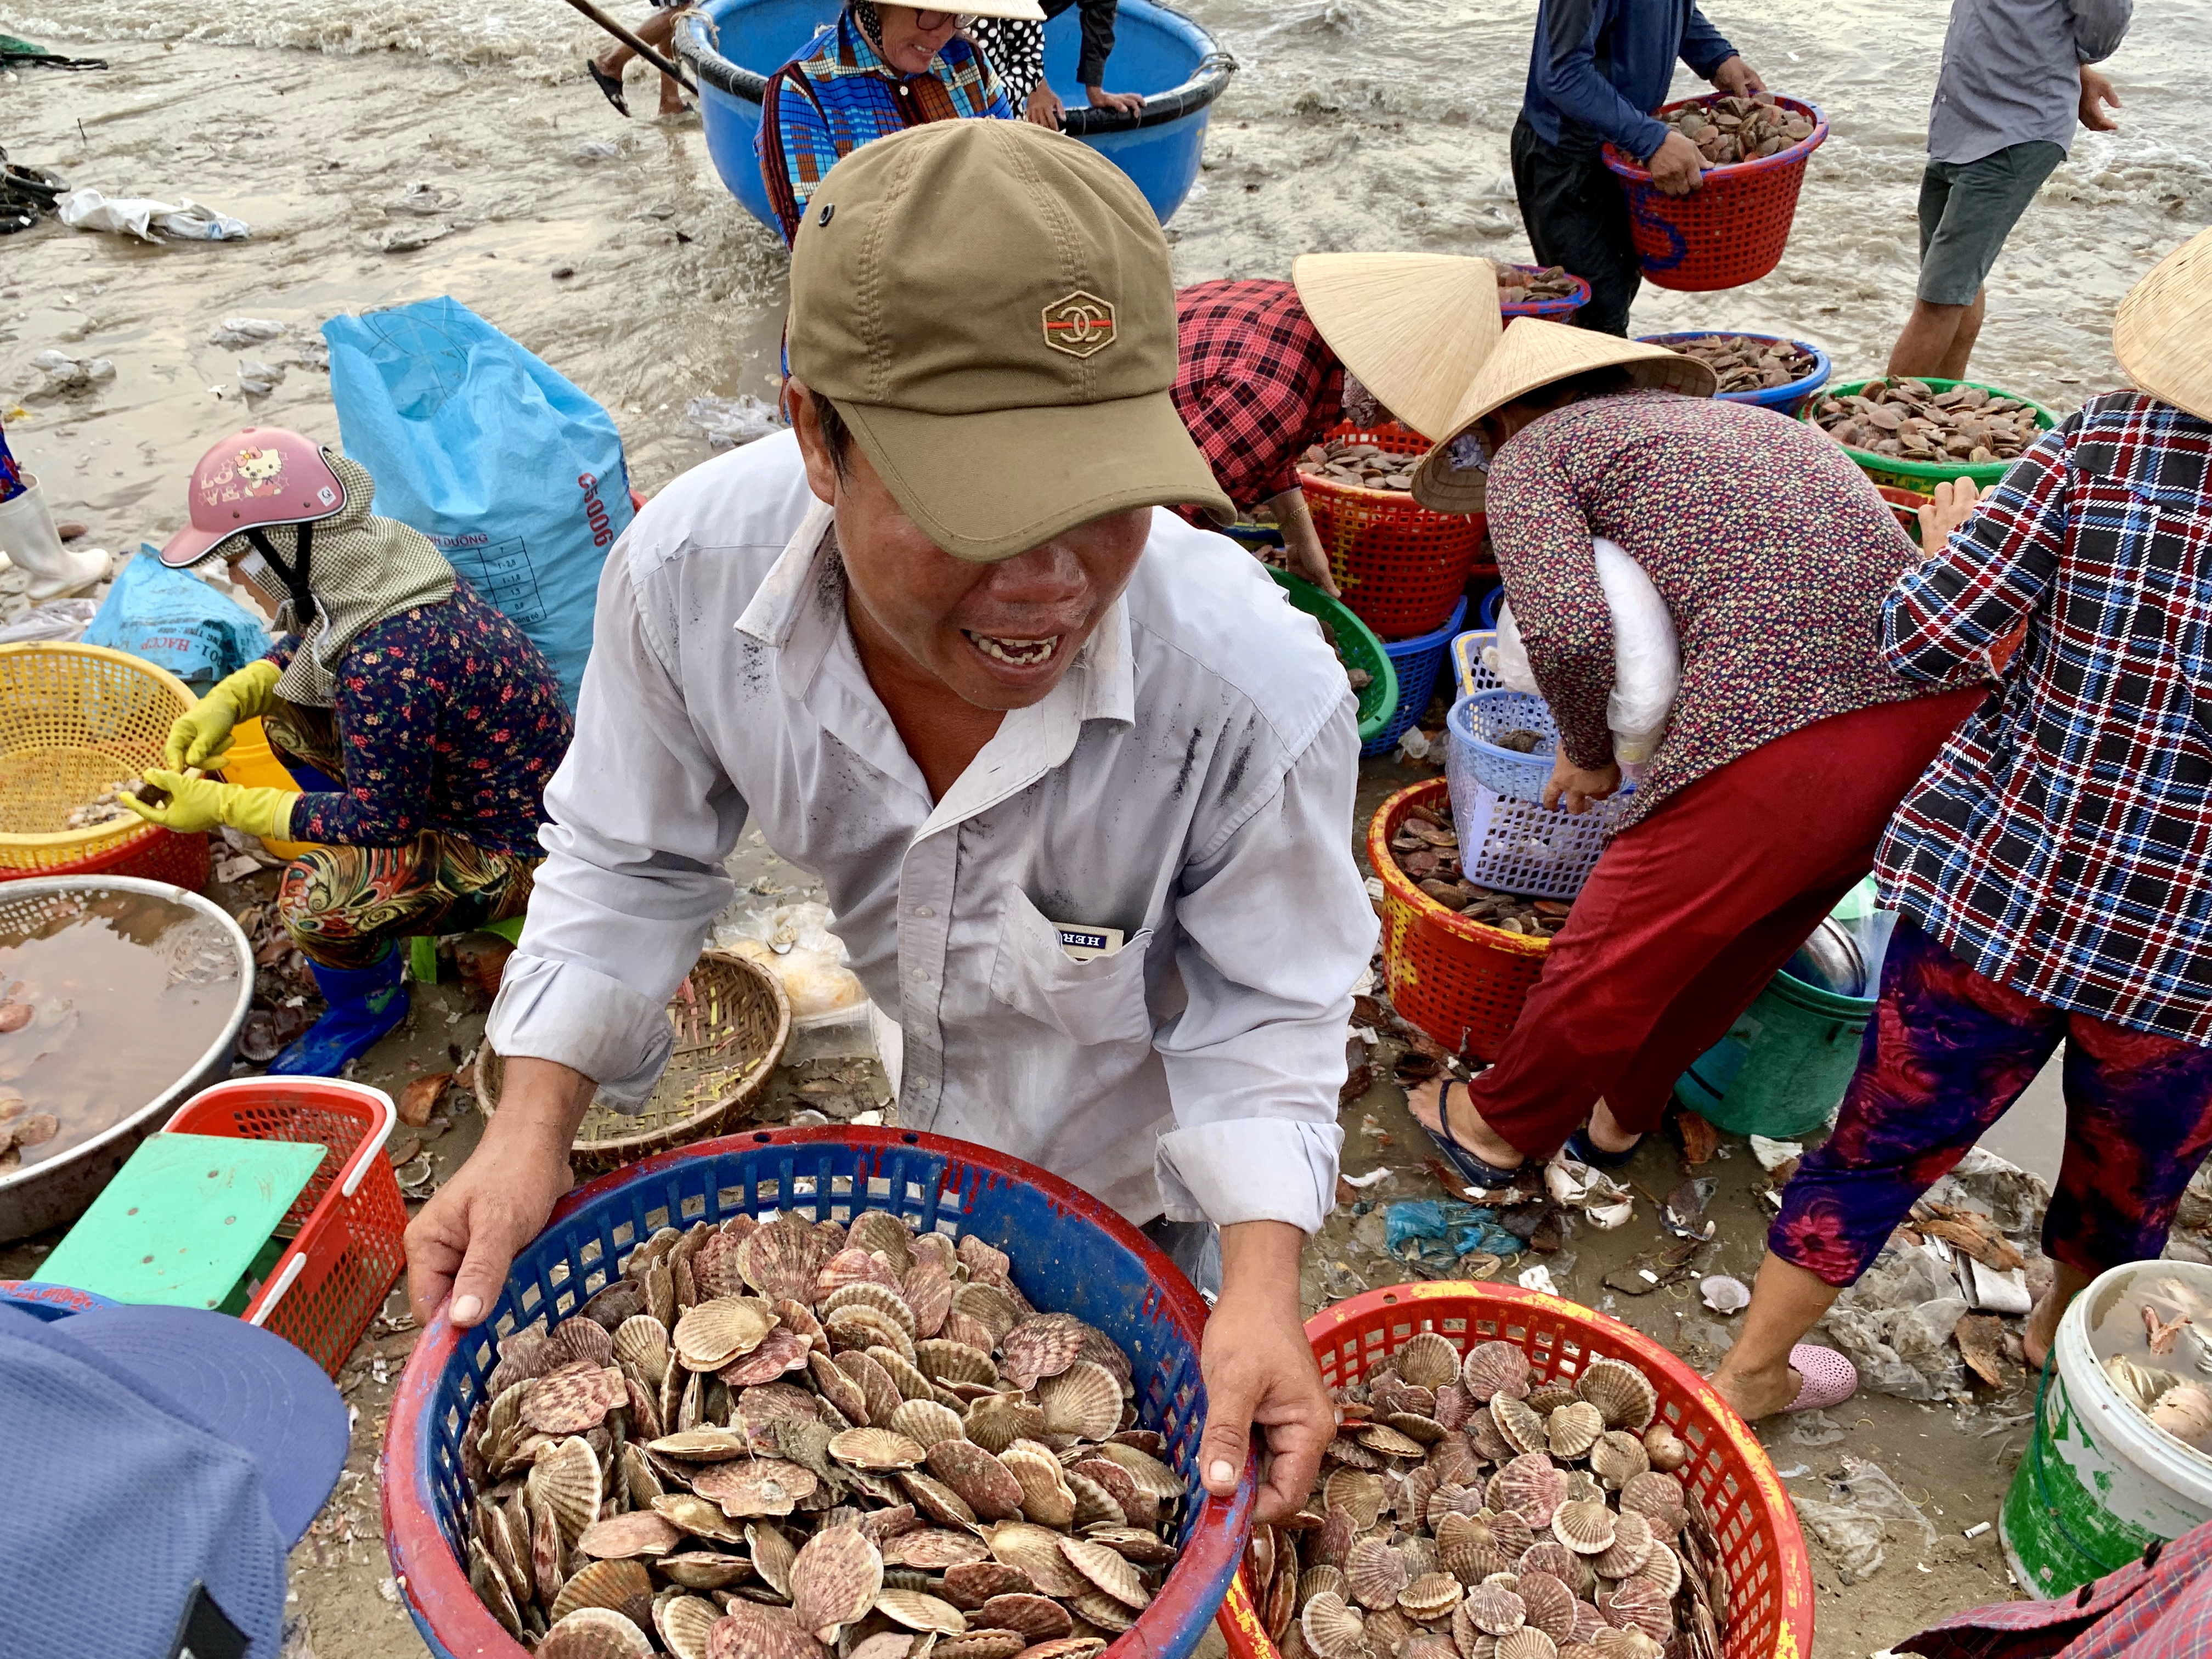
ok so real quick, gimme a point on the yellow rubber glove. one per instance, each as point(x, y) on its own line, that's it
point(198, 803)
point(202, 737)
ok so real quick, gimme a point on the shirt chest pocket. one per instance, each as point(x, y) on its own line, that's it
point(1095, 1002)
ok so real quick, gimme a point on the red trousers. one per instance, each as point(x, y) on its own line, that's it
point(1691, 911)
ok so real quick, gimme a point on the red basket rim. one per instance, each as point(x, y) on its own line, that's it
point(1415, 442)
point(1637, 173)
point(429, 1575)
point(1793, 1638)
point(1400, 887)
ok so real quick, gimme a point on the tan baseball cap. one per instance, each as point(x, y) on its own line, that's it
point(990, 306)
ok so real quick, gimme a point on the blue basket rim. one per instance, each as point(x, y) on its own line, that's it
point(434, 1585)
point(1803, 387)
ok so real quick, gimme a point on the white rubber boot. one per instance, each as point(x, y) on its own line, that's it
point(28, 537)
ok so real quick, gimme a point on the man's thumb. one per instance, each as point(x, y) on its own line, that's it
point(477, 1286)
point(1221, 1455)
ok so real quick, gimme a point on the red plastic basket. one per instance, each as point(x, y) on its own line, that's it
point(349, 1249)
point(1402, 568)
point(1769, 1578)
point(1732, 228)
point(158, 855)
point(1458, 980)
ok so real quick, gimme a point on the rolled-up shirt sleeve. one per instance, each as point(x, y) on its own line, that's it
point(642, 816)
point(1257, 1058)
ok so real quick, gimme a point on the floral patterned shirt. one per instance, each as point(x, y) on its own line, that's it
point(1772, 551)
point(450, 719)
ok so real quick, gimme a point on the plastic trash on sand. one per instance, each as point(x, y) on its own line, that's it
point(1895, 1325)
point(142, 216)
point(1869, 1509)
point(1462, 1227)
point(794, 943)
point(727, 422)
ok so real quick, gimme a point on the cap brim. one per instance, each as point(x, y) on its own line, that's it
point(192, 544)
point(985, 487)
point(249, 1387)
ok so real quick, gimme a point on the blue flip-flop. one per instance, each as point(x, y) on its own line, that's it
point(1479, 1172)
point(1580, 1148)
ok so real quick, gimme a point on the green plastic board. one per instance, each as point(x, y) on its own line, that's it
point(184, 1219)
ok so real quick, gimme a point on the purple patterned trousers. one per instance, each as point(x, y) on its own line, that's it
point(1946, 1052)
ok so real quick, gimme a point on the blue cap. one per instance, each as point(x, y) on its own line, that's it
point(155, 1459)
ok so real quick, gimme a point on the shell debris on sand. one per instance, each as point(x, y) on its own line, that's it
point(1527, 1517)
point(769, 1440)
point(1913, 420)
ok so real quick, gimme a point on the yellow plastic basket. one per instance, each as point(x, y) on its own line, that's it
point(73, 719)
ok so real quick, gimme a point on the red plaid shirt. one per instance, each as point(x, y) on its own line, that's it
point(2159, 1608)
point(1255, 385)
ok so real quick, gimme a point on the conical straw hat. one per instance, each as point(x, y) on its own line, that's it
point(1413, 327)
point(1532, 354)
point(2163, 333)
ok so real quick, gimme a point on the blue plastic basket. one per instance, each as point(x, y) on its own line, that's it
point(1788, 399)
point(1491, 602)
point(1478, 721)
point(1418, 661)
point(1071, 1254)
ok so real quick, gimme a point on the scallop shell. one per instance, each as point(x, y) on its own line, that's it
point(925, 1422)
point(1093, 1502)
point(1526, 1643)
point(996, 1422)
point(762, 1485)
point(683, 1622)
point(1047, 1497)
point(928, 1288)
point(1429, 1597)
point(714, 1269)
point(641, 1341)
point(1377, 1573)
point(981, 1644)
point(865, 1293)
point(1358, 1493)
point(640, 1532)
point(881, 1233)
point(1145, 1547)
point(1590, 1627)
point(1492, 1368)
point(989, 1305)
point(772, 1554)
point(1668, 1450)
point(1389, 1442)
point(918, 1610)
point(1548, 1602)
point(1153, 1477)
point(889, 1644)
point(1471, 1560)
point(1662, 1567)
point(944, 1361)
point(1427, 1360)
point(592, 1632)
point(1035, 1551)
point(910, 1383)
point(1043, 1345)
point(574, 1397)
point(1514, 1535)
point(1068, 1647)
point(620, 1587)
point(1657, 1497)
point(1618, 1458)
point(876, 1449)
point(1518, 1425)
point(566, 1479)
point(1108, 1570)
point(833, 1581)
point(1083, 1400)
point(1332, 1629)
point(1545, 1398)
point(1494, 1610)
point(1116, 1482)
point(936, 1549)
point(1632, 1546)
point(858, 1328)
point(935, 1499)
point(1314, 1580)
point(1573, 1430)
point(707, 1444)
point(970, 1584)
point(780, 1350)
point(746, 1631)
point(712, 1334)
point(1622, 1392)
point(1099, 1609)
point(1533, 1487)
point(986, 1485)
point(1483, 1436)
point(1034, 1616)
point(1585, 1527)
point(783, 1257)
point(876, 1387)
point(578, 1337)
point(1548, 1558)
point(1638, 1604)
point(704, 1570)
point(694, 1515)
point(840, 1389)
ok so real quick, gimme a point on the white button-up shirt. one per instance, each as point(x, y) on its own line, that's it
point(1188, 782)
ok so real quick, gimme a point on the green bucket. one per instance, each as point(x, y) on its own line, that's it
point(1900, 473)
point(1782, 1070)
point(1356, 644)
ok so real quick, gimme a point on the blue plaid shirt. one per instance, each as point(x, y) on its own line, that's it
point(2062, 842)
point(838, 94)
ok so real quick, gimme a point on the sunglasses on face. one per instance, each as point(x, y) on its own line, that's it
point(930, 22)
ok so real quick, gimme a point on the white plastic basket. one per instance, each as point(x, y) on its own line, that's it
point(1520, 846)
point(1468, 668)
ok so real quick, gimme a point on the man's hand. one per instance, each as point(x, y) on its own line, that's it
point(1677, 168)
point(1260, 1369)
point(467, 1235)
point(2096, 93)
point(1954, 503)
point(1044, 108)
point(1737, 78)
point(1579, 791)
point(1301, 541)
point(1129, 103)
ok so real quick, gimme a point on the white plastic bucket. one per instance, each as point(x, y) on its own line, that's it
point(2097, 1484)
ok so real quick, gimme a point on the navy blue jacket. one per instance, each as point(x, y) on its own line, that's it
point(1598, 68)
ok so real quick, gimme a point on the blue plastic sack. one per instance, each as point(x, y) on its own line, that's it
point(515, 474)
point(175, 620)
point(1462, 1227)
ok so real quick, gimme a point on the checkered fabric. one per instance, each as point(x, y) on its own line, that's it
point(2062, 842)
point(837, 95)
point(2159, 1608)
point(1255, 384)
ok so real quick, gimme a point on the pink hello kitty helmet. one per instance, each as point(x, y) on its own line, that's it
point(252, 480)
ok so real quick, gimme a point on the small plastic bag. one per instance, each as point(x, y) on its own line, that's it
point(794, 943)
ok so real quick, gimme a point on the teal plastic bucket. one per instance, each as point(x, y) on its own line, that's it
point(1782, 1069)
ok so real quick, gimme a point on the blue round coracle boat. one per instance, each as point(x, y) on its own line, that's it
point(731, 46)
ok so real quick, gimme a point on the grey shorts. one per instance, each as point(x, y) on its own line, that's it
point(1968, 209)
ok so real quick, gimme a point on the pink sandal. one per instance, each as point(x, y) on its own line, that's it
point(1827, 1378)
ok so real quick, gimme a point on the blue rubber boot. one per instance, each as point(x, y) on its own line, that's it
point(365, 1004)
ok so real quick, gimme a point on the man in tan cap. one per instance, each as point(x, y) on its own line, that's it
point(1789, 744)
point(1077, 778)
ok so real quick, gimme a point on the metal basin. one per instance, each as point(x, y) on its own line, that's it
point(58, 1189)
point(733, 46)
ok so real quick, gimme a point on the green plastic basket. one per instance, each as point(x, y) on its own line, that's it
point(1923, 476)
point(1356, 643)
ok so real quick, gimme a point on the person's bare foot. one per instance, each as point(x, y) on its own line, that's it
point(1606, 1134)
point(1757, 1394)
point(2042, 1328)
point(1468, 1129)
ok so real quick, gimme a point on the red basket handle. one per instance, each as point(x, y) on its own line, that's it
point(371, 1147)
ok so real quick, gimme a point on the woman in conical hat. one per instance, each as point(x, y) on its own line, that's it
point(2050, 869)
point(1790, 742)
